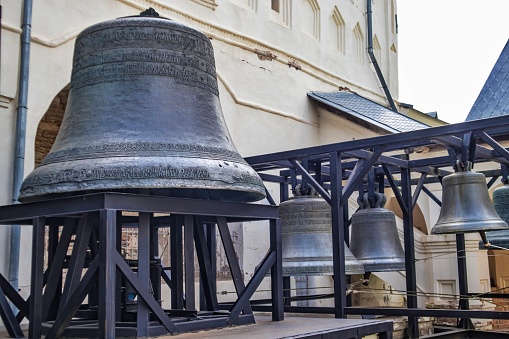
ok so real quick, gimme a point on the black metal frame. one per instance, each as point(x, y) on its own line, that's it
point(95, 220)
point(326, 167)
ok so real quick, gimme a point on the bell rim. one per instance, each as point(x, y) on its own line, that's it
point(387, 267)
point(316, 270)
point(463, 226)
point(156, 173)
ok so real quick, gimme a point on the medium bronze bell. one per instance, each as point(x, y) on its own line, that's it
point(466, 205)
point(497, 239)
point(307, 237)
point(144, 113)
point(374, 236)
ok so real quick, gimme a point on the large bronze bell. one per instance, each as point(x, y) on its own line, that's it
point(499, 239)
point(466, 205)
point(306, 227)
point(374, 236)
point(144, 113)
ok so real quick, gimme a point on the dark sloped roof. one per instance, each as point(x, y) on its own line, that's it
point(493, 100)
point(367, 110)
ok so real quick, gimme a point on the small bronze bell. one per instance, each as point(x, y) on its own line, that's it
point(497, 239)
point(307, 237)
point(466, 205)
point(144, 113)
point(374, 236)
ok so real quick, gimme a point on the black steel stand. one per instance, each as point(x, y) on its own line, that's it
point(97, 272)
point(335, 171)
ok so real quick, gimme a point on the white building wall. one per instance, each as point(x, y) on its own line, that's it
point(265, 68)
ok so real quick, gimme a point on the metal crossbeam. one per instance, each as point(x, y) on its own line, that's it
point(143, 293)
point(8, 318)
point(14, 297)
point(238, 279)
point(251, 287)
point(64, 317)
point(57, 262)
point(398, 141)
point(205, 263)
point(77, 261)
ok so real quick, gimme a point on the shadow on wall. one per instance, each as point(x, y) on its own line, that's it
point(419, 221)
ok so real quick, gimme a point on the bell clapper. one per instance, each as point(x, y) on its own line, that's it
point(484, 240)
point(365, 281)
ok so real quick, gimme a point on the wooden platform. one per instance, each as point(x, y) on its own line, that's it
point(298, 326)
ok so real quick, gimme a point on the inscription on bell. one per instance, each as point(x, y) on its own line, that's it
point(127, 147)
point(120, 172)
point(144, 37)
point(148, 55)
point(131, 71)
point(107, 56)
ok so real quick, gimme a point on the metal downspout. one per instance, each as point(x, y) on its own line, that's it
point(373, 58)
point(19, 151)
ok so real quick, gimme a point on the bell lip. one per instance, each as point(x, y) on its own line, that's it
point(191, 193)
point(309, 271)
point(383, 266)
point(462, 227)
point(234, 184)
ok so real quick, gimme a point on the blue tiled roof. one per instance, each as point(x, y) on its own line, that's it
point(367, 110)
point(493, 100)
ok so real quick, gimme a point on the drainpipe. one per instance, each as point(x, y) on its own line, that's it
point(373, 58)
point(19, 152)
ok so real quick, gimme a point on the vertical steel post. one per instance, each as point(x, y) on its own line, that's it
point(176, 260)
point(107, 273)
point(347, 243)
point(208, 272)
point(143, 313)
point(276, 273)
point(155, 269)
point(338, 235)
point(287, 291)
point(36, 281)
point(118, 280)
point(287, 288)
point(189, 261)
point(210, 236)
point(462, 279)
point(53, 233)
point(408, 226)
point(283, 190)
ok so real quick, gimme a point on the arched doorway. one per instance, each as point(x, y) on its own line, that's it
point(49, 125)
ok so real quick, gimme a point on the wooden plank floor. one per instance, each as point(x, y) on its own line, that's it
point(294, 326)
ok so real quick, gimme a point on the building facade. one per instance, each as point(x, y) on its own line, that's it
point(269, 55)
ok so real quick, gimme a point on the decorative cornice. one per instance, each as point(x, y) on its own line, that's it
point(44, 42)
point(256, 106)
point(223, 34)
point(207, 3)
point(5, 101)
